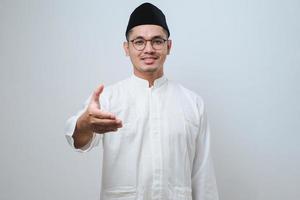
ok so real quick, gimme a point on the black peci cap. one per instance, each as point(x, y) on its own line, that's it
point(147, 13)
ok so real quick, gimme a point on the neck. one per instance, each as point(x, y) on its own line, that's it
point(149, 76)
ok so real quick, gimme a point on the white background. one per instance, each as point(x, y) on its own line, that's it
point(242, 57)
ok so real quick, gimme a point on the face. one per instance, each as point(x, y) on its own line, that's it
point(148, 61)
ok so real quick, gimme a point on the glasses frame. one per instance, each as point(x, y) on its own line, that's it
point(150, 40)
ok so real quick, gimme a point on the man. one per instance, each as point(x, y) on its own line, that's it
point(154, 132)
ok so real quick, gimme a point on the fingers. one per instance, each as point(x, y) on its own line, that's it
point(101, 114)
point(96, 96)
point(105, 125)
point(101, 121)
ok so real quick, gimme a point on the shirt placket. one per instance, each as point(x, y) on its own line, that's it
point(156, 145)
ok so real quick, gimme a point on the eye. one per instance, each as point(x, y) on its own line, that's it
point(158, 41)
point(138, 42)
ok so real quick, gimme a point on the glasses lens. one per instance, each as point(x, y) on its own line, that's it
point(158, 43)
point(139, 44)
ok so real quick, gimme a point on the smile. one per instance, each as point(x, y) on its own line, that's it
point(149, 58)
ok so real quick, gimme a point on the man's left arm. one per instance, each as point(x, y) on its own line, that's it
point(204, 185)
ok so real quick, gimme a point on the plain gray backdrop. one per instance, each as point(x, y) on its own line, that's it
point(241, 56)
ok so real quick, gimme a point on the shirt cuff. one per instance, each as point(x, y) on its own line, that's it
point(69, 130)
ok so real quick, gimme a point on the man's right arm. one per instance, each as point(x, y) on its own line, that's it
point(81, 136)
point(94, 120)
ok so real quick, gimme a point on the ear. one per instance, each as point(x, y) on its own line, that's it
point(126, 48)
point(169, 45)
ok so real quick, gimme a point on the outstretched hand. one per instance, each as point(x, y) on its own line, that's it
point(96, 120)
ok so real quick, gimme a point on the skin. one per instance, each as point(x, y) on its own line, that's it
point(147, 64)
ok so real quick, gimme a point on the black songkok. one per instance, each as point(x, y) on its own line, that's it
point(147, 13)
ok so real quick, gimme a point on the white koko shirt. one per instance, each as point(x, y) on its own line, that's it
point(162, 152)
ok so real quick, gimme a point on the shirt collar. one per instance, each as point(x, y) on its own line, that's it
point(144, 83)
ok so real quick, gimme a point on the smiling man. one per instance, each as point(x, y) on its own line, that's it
point(147, 47)
point(154, 132)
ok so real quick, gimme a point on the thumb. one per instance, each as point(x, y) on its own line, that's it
point(96, 97)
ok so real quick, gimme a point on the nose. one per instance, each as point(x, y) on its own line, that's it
point(148, 47)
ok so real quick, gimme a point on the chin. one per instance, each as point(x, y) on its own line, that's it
point(149, 68)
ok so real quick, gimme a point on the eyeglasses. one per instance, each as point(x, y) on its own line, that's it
point(156, 43)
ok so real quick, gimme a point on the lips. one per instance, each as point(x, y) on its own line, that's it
point(149, 60)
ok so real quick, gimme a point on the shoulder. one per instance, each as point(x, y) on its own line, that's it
point(112, 90)
point(187, 94)
point(191, 102)
point(116, 87)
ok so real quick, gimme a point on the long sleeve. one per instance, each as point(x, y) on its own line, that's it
point(204, 185)
point(70, 127)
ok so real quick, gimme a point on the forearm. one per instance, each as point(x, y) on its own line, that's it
point(82, 135)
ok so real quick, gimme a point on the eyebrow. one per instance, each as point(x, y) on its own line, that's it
point(154, 37)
